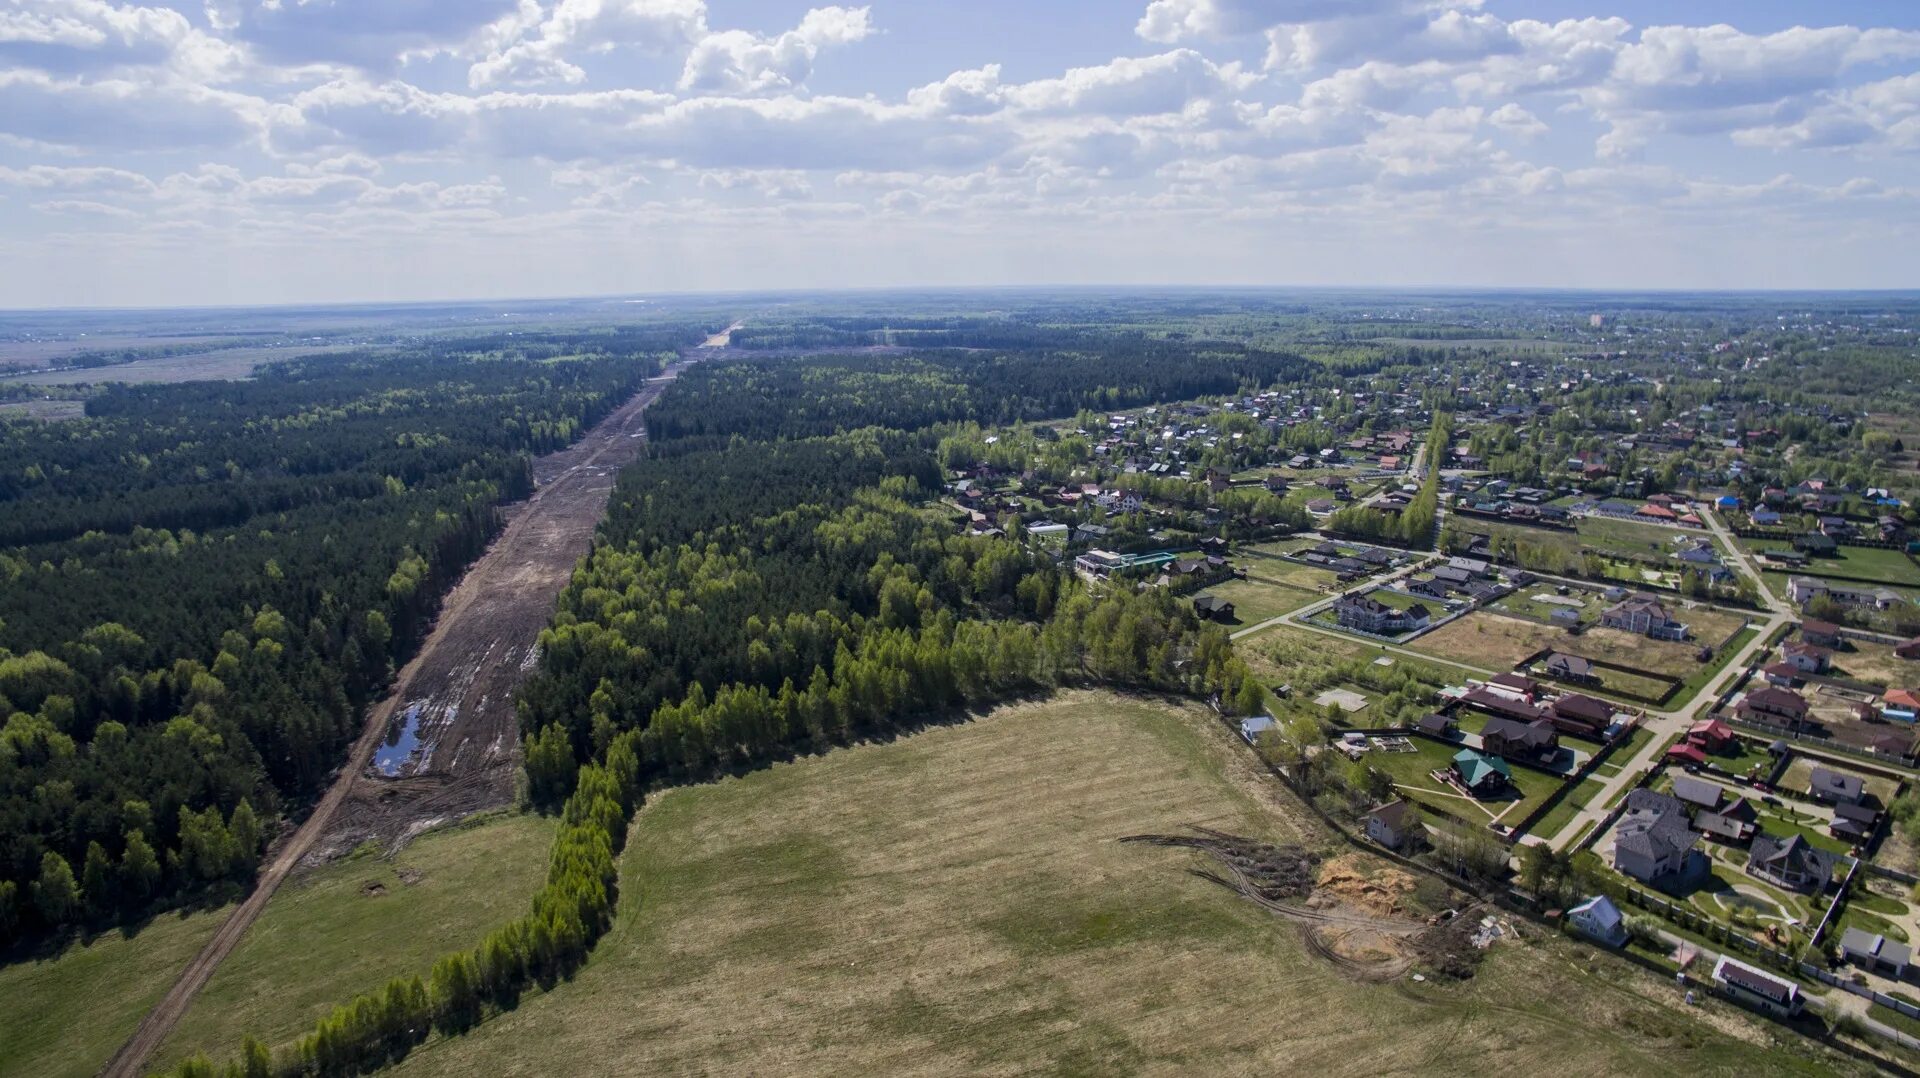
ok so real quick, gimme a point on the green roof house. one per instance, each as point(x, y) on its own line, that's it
point(1480, 773)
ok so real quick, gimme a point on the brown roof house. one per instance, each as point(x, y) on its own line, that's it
point(1643, 614)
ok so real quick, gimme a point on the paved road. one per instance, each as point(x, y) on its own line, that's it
point(160, 1021)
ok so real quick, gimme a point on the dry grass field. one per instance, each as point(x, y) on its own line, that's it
point(1864, 660)
point(957, 902)
point(1490, 641)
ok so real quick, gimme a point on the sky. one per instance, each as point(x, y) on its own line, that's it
point(201, 152)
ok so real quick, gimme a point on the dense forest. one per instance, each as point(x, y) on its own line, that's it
point(200, 585)
point(799, 398)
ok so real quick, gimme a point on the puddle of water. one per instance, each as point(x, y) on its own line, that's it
point(401, 744)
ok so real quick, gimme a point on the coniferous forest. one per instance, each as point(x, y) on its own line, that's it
point(202, 584)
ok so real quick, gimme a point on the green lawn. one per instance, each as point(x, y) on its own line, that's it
point(352, 925)
point(1858, 562)
point(1254, 601)
point(67, 1015)
point(1558, 817)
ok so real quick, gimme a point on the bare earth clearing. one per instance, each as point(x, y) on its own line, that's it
point(462, 680)
point(959, 902)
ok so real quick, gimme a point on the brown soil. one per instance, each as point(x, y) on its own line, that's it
point(465, 673)
point(373, 889)
point(484, 644)
point(1348, 881)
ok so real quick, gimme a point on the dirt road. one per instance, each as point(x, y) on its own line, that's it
point(461, 684)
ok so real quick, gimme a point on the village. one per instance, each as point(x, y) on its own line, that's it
point(1695, 703)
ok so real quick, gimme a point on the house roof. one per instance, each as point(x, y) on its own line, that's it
point(1780, 700)
point(1572, 664)
point(1575, 706)
point(1838, 783)
point(1600, 911)
point(1655, 825)
point(1873, 945)
point(1794, 856)
point(1689, 753)
point(1712, 729)
point(1519, 682)
point(1697, 791)
point(1392, 815)
point(1759, 983)
point(1476, 767)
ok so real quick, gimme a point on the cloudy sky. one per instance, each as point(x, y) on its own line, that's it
point(255, 151)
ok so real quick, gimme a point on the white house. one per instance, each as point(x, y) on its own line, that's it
point(1600, 920)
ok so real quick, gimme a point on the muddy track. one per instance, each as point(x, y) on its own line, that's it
point(462, 679)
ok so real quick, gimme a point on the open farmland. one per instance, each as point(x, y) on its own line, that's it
point(221, 365)
point(66, 1014)
point(33, 355)
point(957, 903)
point(350, 926)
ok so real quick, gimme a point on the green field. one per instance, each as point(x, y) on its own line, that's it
point(956, 903)
point(1854, 562)
point(67, 1015)
point(1255, 601)
point(349, 927)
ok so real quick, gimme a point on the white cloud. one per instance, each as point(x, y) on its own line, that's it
point(374, 35)
point(540, 52)
point(740, 62)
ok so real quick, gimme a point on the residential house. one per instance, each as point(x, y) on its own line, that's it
point(1909, 650)
point(1653, 842)
point(1482, 775)
point(1734, 822)
point(1599, 920)
point(1782, 675)
point(1437, 725)
point(1516, 740)
point(1824, 633)
point(1837, 787)
point(1213, 608)
point(1876, 953)
point(1806, 658)
point(1643, 614)
point(1390, 824)
point(1710, 734)
point(1757, 989)
point(1370, 615)
point(1805, 589)
point(1853, 821)
point(1697, 792)
point(1570, 668)
point(1793, 863)
point(1253, 726)
point(1773, 706)
point(1582, 716)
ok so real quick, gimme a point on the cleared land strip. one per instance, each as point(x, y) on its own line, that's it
point(510, 589)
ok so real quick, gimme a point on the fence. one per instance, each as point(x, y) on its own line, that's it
point(1824, 744)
